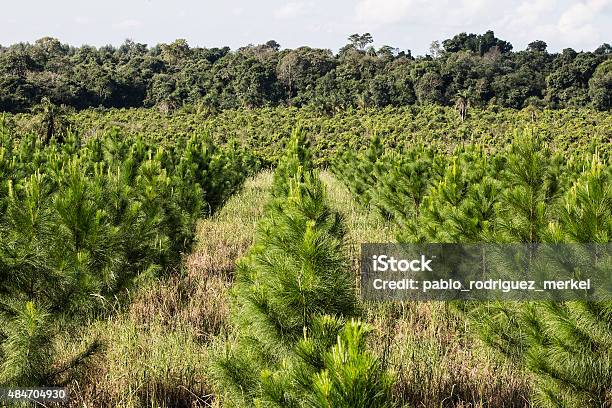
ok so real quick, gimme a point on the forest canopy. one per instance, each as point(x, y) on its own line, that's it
point(484, 68)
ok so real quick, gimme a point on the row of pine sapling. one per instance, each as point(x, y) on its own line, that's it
point(298, 340)
point(82, 223)
point(526, 193)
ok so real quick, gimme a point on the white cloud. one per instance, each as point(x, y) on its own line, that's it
point(440, 13)
point(408, 24)
point(575, 25)
point(580, 15)
point(566, 23)
point(580, 24)
point(290, 10)
point(128, 24)
point(529, 12)
point(530, 20)
point(82, 20)
point(383, 11)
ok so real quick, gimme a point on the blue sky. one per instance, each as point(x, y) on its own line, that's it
point(405, 24)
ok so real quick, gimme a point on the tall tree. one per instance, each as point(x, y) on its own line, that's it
point(461, 103)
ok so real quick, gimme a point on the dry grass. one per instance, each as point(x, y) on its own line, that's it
point(198, 296)
point(438, 362)
point(143, 365)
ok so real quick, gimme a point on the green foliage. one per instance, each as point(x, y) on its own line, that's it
point(26, 351)
point(297, 161)
point(476, 43)
point(266, 132)
point(53, 121)
point(169, 76)
point(352, 377)
point(403, 181)
point(565, 345)
point(82, 221)
point(600, 86)
point(531, 181)
point(360, 171)
point(459, 204)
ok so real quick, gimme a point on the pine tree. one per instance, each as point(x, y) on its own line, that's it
point(532, 184)
point(26, 347)
point(297, 156)
point(570, 348)
point(528, 194)
point(359, 171)
point(459, 206)
point(404, 182)
point(352, 377)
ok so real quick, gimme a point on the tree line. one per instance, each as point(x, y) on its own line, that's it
point(479, 68)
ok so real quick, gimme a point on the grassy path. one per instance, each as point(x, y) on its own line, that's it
point(362, 225)
point(221, 239)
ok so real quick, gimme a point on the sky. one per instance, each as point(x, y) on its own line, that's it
point(404, 24)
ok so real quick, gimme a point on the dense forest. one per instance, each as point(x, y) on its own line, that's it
point(480, 68)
